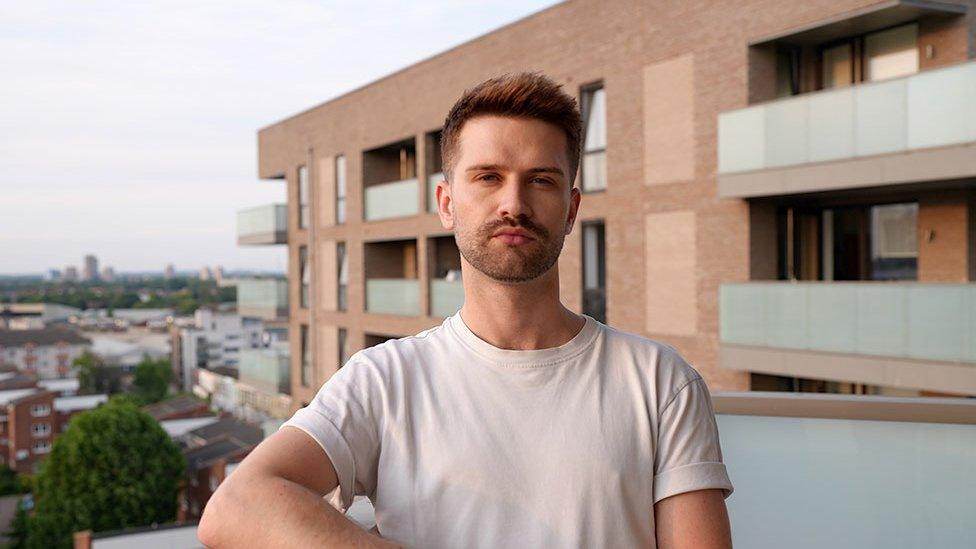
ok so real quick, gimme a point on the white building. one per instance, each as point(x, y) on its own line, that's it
point(47, 353)
point(216, 340)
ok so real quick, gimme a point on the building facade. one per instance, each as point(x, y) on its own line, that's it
point(781, 191)
point(45, 353)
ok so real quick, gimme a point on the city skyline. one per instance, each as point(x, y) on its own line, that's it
point(141, 187)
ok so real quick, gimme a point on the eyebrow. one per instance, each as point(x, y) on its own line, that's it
point(499, 167)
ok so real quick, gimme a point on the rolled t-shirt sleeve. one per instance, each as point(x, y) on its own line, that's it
point(689, 456)
point(344, 418)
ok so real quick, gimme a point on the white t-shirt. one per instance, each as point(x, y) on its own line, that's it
point(461, 444)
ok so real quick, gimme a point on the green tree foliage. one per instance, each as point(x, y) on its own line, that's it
point(114, 468)
point(11, 483)
point(17, 532)
point(152, 379)
point(94, 376)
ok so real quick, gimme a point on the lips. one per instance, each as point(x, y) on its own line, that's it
point(513, 237)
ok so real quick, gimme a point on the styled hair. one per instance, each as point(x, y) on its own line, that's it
point(522, 95)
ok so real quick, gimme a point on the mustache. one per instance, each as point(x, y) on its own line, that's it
point(522, 221)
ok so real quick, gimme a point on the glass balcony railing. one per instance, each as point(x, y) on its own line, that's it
point(933, 108)
point(446, 297)
point(393, 296)
point(266, 369)
point(389, 200)
point(265, 298)
point(848, 471)
point(263, 225)
point(904, 320)
point(432, 181)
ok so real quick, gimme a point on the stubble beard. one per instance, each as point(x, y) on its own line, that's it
point(508, 264)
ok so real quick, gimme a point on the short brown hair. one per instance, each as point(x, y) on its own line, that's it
point(522, 95)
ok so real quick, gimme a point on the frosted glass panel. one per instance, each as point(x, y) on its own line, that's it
point(396, 199)
point(881, 118)
point(904, 320)
point(813, 483)
point(742, 140)
point(432, 181)
point(833, 317)
point(831, 125)
point(787, 120)
point(938, 104)
point(262, 220)
point(395, 296)
point(446, 297)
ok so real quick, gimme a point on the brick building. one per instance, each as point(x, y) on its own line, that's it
point(782, 191)
point(33, 417)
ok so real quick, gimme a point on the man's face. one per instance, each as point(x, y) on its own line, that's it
point(510, 203)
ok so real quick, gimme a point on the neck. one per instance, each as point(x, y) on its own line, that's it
point(522, 316)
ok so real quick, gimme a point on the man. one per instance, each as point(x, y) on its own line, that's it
point(516, 422)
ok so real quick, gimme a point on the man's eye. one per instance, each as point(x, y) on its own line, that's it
point(488, 177)
point(541, 180)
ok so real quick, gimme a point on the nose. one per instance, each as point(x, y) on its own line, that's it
point(513, 198)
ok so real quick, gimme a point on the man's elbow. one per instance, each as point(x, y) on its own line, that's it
point(214, 519)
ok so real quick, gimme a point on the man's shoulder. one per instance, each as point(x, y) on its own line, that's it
point(652, 356)
point(398, 351)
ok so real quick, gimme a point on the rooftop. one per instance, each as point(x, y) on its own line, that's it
point(228, 428)
point(174, 406)
point(45, 336)
point(197, 458)
point(80, 402)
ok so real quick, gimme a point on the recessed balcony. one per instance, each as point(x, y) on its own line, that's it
point(903, 130)
point(908, 335)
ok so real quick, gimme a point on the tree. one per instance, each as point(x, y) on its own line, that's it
point(94, 376)
point(18, 532)
point(114, 468)
point(152, 379)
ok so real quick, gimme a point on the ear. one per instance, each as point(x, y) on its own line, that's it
point(574, 204)
point(444, 204)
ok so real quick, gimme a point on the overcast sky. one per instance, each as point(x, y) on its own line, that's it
point(128, 129)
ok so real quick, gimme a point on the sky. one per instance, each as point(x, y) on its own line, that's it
point(128, 129)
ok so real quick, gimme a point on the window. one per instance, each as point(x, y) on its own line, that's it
point(340, 181)
point(41, 447)
point(593, 176)
point(303, 193)
point(343, 352)
point(214, 483)
point(342, 261)
point(305, 270)
point(40, 410)
point(894, 242)
point(594, 271)
point(40, 429)
point(306, 357)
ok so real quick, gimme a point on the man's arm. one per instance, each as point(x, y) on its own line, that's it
point(274, 499)
point(693, 520)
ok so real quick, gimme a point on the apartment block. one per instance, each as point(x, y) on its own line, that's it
point(44, 353)
point(783, 191)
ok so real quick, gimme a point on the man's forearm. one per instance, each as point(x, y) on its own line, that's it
point(276, 512)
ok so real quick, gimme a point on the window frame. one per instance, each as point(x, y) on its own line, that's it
point(587, 92)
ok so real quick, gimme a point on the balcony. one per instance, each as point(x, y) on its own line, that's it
point(263, 225)
point(848, 471)
point(266, 369)
point(390, 184)
point(391, 199)
point(393, 296)
point(910, 335)
point(265, 298)
point(905, 130)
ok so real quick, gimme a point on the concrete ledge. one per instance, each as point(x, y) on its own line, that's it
point(862, 407)
point(935, 164)
point(873, 370)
